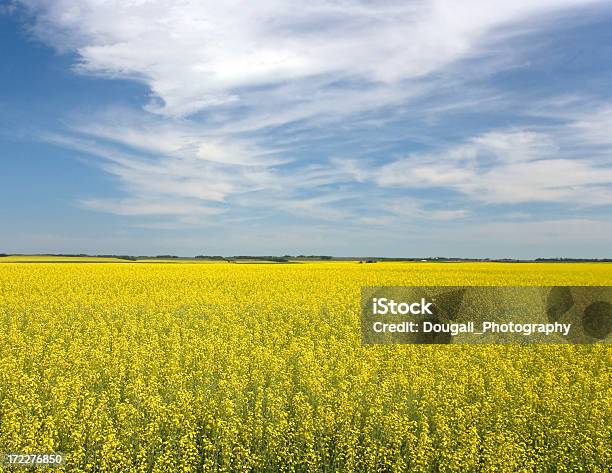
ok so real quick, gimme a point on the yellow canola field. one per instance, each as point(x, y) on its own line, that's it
point(225, 367)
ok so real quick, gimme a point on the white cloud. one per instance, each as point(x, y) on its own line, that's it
point(148, 134)
point(509, 167)
point(499, 167)
point(143, 207)
point(407, 211)
point(174, 179)
point(547, 234)
point(594, 128)
point(199, 54)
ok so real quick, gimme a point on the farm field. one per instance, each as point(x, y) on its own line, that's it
point(56, 259)
point(259, 367)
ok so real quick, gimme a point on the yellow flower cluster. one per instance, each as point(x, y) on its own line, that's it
point(226, 367)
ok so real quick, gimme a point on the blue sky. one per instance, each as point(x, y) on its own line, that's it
point(425, 128)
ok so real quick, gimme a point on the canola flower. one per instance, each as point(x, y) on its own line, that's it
point(217, 367)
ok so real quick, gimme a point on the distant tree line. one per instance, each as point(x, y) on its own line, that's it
point(319, 257)
point(575, 260)
point(276, 259)
point(287, 258)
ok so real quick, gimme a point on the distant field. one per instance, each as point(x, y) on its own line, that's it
point(186, 261)
point(58, 259)
point(93, 259)
point(230, 367)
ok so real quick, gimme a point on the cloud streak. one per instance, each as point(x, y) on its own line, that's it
point(509, 167)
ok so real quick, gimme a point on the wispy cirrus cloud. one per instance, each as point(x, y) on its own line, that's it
point(504, 166)
point(197, 55)
point(174, 184)
point(517, 166)
point(327, 111)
